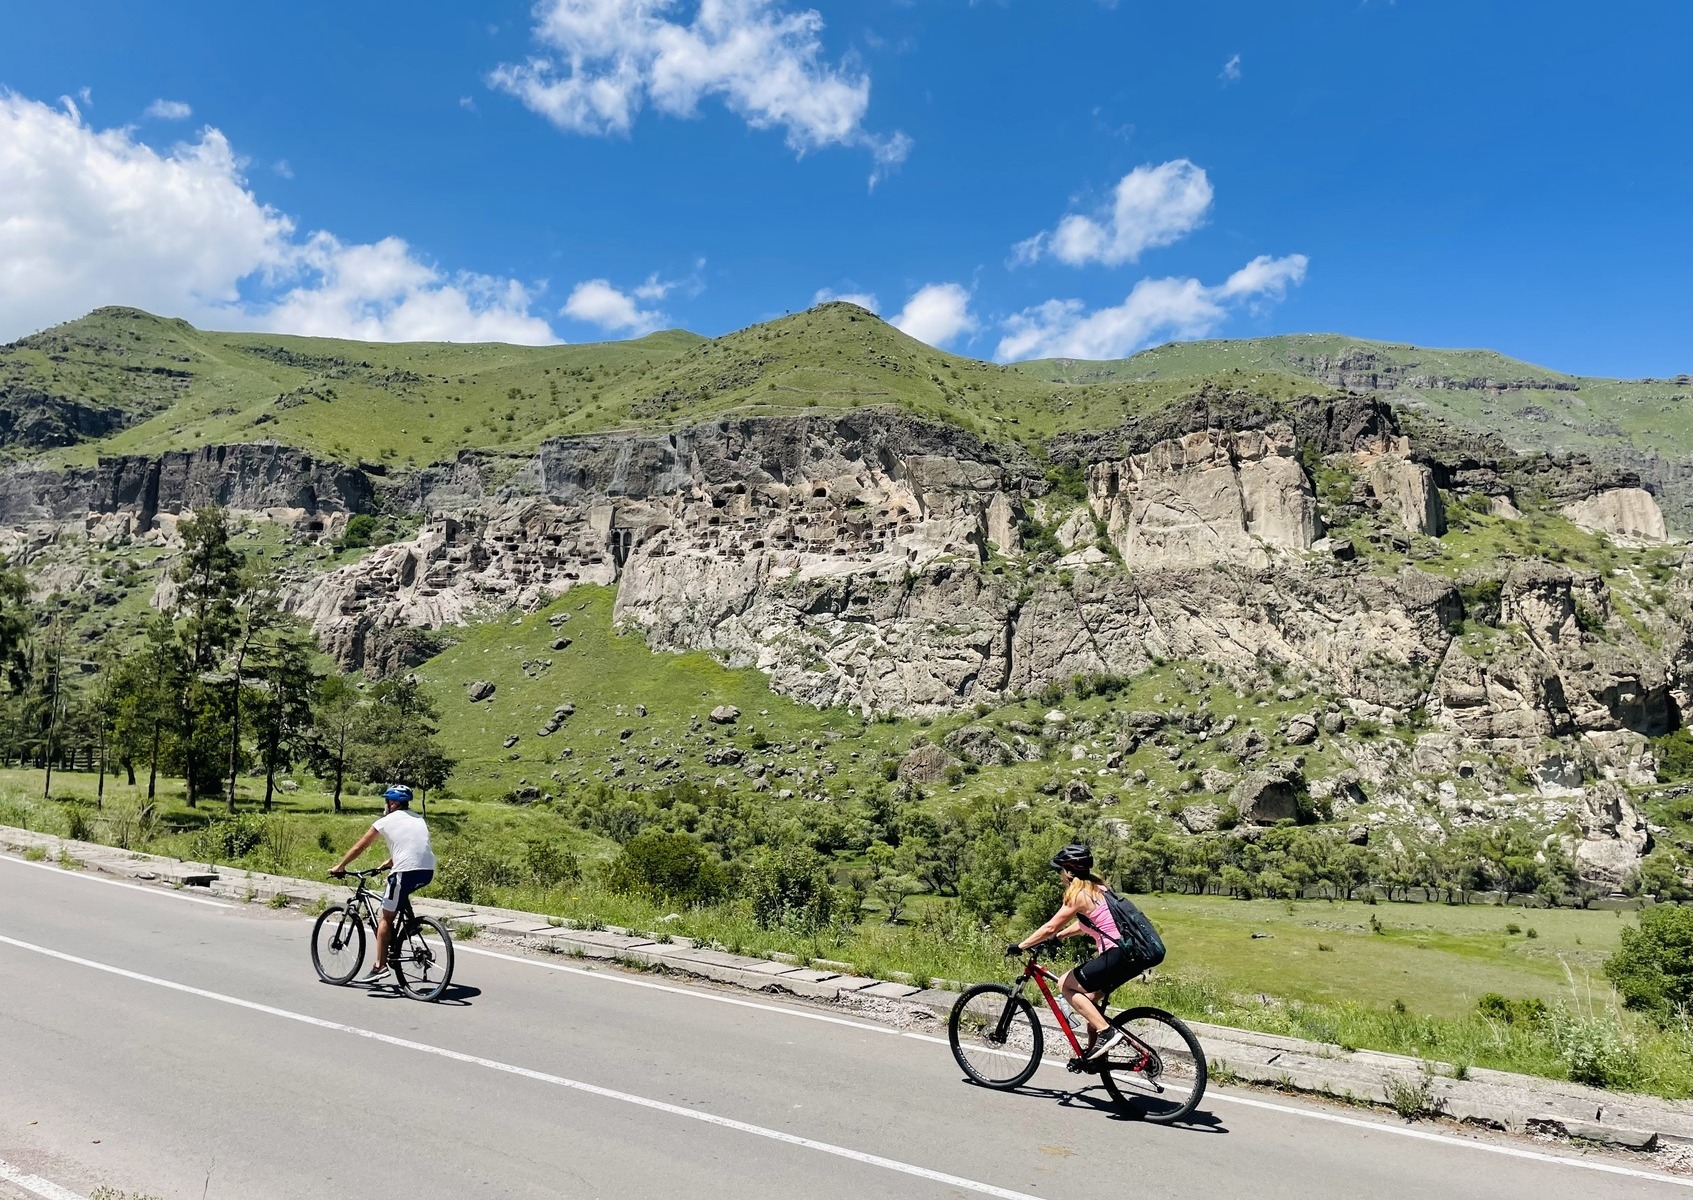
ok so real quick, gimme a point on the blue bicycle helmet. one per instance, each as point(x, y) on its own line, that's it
point(398, 794)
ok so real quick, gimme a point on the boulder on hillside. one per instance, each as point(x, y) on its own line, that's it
point(480, 690)
point(1077, 791)
point(1302, 729)
point(981, 745)
point(1270, 795)
point(724, 714)
point(925, 764)
point(1199, 818)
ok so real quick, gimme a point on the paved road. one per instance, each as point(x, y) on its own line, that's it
point(249, 1080)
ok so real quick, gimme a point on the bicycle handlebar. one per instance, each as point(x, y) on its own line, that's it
point(365, 874)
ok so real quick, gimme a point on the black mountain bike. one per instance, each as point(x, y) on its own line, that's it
point(420, 952)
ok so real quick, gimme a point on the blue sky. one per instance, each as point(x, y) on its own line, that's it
point(1006, 178)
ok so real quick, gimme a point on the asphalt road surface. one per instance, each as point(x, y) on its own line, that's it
point(159, 1043)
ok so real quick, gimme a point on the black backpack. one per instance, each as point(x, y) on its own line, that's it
point(1138, 935)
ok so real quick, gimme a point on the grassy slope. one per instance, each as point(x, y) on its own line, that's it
point(1650, 415)
point(411, 403)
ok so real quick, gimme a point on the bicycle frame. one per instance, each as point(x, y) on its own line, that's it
point(1032, 970)
point(367, 901)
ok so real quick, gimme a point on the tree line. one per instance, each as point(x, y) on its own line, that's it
point(216, 683)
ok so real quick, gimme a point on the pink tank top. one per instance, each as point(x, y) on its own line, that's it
point(1104, 931)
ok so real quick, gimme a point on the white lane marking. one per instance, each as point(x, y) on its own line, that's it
point(134, 887)
point(1210, 1093)
point(614, 976)
point(776, 1135)
point(34, 1183)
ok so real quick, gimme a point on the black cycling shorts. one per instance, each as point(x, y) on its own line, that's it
point(1110, 970)
point(402, 884)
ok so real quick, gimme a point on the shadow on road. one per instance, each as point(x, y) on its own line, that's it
point(1096, 1098)
point(457, 995)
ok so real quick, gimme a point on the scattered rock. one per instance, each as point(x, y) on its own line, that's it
point(1199, 818)
point(724, 714)
point(981, 745)
point(1077, 791)
point(925, 764)
point(562, 643)
point(1216, 781)
point(511, 740)
point(1302, 729)
point(1057, 717)
point(480, 690)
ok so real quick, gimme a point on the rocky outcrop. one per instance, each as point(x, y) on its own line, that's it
point(1614, 836)
point(263, 478)
point(1407, 490)
point(1626, 512)
point(1206, 498)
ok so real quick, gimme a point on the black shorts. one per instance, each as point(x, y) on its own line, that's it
point(402, 884)
point(1110, 970)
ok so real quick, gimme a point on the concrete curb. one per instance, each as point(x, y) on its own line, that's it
point(1494, 1099)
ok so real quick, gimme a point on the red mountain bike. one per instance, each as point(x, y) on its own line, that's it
point(1157, 1070)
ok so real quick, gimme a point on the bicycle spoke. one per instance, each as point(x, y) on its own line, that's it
point(1158, 1068)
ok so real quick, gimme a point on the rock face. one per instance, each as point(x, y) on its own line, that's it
point(262, 478)
point(925, 764)
point(1407, 490)
point(1614, 837)
point(1628, 512)
point(1206, 498)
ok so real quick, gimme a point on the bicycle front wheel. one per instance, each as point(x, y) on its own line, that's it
point(1157, 1071)
point(424, 959)
point(338, 944)
point(995, 1036)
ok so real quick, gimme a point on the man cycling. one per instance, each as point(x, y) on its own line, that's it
point(1084, 910)
point(410, 865)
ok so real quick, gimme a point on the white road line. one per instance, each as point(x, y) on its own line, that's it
point(134, 887)
point(34, 1183)
point(775, 1135)
point(1210, 1093)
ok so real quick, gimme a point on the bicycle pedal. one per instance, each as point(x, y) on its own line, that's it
point(1076, 1066)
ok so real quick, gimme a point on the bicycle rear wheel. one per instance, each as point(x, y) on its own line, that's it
point(1158, 1070)
point(423, 959)
point(338, 944)
point(995, 1036)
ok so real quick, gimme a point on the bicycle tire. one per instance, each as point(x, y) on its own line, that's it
point(338, 929)
point(423, 959)
point(1169, 1085)
point(990, 1027)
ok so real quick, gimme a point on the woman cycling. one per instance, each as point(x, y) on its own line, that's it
point(1085, 911)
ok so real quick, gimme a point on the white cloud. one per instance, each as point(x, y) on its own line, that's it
point(1152, 206)
point(936, 313)
point(597, 302)
point(1231, 70)
point(168, 110)
point(1156, 310)
point(91, 217)
point(601, 61)
point(862, 299)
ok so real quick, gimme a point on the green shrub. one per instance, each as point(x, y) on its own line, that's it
point(1596, 1047)
point(788, 887)
point(671, 866)
point(360, 532)
point(1653, 967)
point(229, 839)
point(1495, 1007)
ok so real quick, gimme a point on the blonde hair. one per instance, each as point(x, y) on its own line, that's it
point(1089, 888)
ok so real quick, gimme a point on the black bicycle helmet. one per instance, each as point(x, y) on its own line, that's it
point(398, 794)
point(1075, 858)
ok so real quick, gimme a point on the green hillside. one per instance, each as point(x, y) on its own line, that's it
point(168, 385)
point(1531, 407)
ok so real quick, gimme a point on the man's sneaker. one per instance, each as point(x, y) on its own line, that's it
point(1103, 1045)
point(374, 975)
